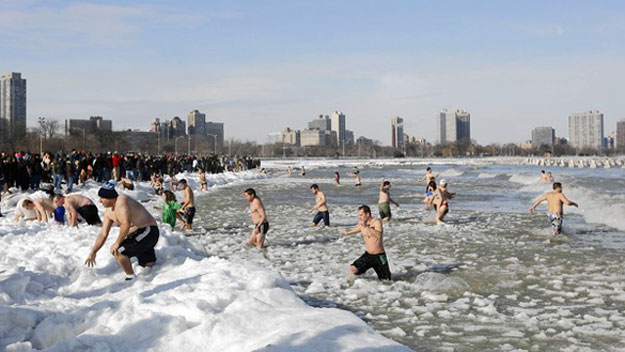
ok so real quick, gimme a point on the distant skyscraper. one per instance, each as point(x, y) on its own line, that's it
point(349, 137)
point(195, 123)
point(543, 136)
point(321, 123)
point(586, 129)
point(337, 123)
point(620, 135)
point(215, 129)
point(13, 103)
point(453, 126)
point(397, 132)
point(175, 127)
point(463, 126)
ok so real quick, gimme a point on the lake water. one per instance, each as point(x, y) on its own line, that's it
point(491, 279)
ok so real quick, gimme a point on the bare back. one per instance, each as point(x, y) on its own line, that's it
point(555, 201)
point(128, 210)
point(76, 201)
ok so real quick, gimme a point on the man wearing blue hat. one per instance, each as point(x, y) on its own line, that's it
point(138, 233)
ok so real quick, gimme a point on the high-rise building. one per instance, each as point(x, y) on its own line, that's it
point(543, 136)
point(94, 124)
point(453, 126)
point(215, 130)
point(349, 137)
point(586, 129)
point(337, 123)
point(620, 135)
point(291, 137)
point(195, 123)
point(313, 138)
point(463, 126)
point(321, 123)
point(13, 104)
point(397, 132)
point(175, 127)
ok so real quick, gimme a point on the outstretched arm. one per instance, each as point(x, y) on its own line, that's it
point(568, 202)
point(351, 231)
point(538, 201)
point(104, 233)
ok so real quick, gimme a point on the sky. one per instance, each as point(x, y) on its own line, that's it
point(262, 66)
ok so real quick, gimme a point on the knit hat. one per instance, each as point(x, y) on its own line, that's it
point(108, 190)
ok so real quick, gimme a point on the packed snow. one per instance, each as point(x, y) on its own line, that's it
point(190, 300)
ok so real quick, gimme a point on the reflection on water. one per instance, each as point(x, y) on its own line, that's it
point(491, 279)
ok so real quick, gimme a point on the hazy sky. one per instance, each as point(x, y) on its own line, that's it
point(260, 66)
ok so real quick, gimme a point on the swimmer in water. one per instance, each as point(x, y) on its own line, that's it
point(259, 218)
point(555, 200)
point(373, 235)
point(385, 200)
point(427, 178)
point(320, 206)
point(356, 175)
point(337, 178)
point(441, 196)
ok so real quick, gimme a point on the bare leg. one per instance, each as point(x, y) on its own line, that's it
point(260, 240)
point(252, 240)
point(124, 263)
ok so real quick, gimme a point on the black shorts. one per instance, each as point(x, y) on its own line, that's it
point(141, 244)
point(325, 215)
point(263, 228)
point(189, 214)
point(378, 262)
point(90, 214)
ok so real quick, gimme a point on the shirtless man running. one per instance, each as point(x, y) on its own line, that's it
point(374, 256)
point(320, 206)
point(259, 218)
point(188, 205)
point(555, 200)
point(78, 206)
point(384, 200)
point(138, 233)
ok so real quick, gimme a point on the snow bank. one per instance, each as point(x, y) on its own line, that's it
point(188, 301)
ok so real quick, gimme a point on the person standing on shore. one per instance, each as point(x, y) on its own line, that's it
point(373, 235)
point(259, 218)
point(555, 201)
point(320, 206)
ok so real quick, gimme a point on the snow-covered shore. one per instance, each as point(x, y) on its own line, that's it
point(190, 301)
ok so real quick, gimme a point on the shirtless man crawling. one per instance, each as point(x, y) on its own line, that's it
point(138, 233)
point(321, 206)
point(259, 218)
point(555, 201)
point(78, 206)
point(374, 256)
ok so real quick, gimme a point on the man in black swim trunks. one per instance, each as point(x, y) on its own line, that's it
point(374, 256)
point(321, 207)
point(259, 218)
point(138, 232)
point(188, 205)
point(78, 208)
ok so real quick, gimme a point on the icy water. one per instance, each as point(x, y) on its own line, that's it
point(491, 279)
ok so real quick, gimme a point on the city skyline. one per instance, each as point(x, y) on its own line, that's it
point(512, 66)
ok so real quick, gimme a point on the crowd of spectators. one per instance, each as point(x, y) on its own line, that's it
point(26, 170)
